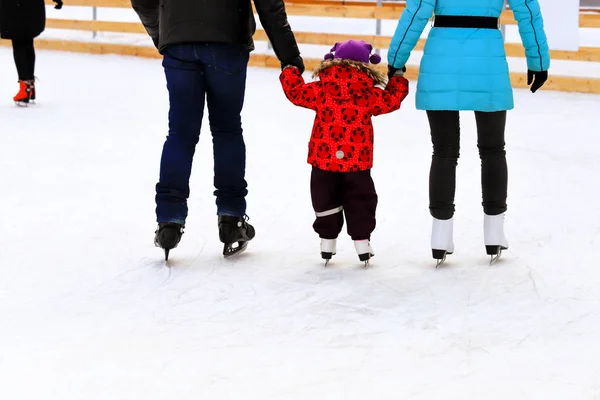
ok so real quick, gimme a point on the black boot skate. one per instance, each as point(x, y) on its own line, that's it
point(167, 236)
point(234, 230)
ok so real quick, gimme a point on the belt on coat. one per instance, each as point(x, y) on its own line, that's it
point(459, 21)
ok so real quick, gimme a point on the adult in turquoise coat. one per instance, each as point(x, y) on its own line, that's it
point(464, 68)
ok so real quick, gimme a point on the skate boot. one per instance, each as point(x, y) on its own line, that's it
point(167, 236)
point(232, 231)
point(328, 248)
point(364, 250)
point(442, 241)
point(26, 93)
point(493, 236)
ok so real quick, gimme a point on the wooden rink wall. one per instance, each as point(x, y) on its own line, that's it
point(318, 8)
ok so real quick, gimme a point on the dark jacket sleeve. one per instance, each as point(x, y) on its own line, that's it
point(273, 18)
point(147, 10)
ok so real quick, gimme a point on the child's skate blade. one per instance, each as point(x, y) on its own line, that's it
point(365, 257)
point(327, 257)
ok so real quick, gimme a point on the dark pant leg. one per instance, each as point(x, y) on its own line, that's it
point(186, 85)
point(24, 54)
point(445, 136)
point(226, 67)
point(326, 191)
point(31, 59)
point(360, 204)
point(494, 171)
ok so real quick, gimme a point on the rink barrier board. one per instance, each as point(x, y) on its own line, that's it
point(386, 3)
point(325, 7)
point(348, 10)
point(518, 80)
point(591, 54)
point(300, 9)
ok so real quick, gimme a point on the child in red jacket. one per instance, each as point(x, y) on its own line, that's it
point(344, 98)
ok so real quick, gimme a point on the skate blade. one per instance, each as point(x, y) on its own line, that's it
point(494, 252)
point(366, 259)
point(22, 104)
point(495, 257)
point(165, 249)
point(327, 257)
point(439, 256)
point(440, 262)
point(232, 252)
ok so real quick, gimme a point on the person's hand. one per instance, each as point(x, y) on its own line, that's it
point(538, 78)
point(395, 71)
point(58, 5)
point(295, 62)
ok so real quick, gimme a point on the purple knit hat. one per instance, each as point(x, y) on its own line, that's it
point(357, 50)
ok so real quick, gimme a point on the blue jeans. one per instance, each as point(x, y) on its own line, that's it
point(195, 72)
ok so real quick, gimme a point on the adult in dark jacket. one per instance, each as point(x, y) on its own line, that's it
point(205, 47)
point(21, 21)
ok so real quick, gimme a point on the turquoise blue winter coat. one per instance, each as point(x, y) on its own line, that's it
point(466, 68)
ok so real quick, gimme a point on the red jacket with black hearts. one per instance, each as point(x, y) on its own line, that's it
point(345, 98)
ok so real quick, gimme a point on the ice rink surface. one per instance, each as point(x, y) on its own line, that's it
point(89, 310)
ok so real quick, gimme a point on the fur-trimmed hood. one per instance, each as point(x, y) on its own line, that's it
point(379, 79)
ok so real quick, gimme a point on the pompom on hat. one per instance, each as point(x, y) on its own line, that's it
point(356, 50)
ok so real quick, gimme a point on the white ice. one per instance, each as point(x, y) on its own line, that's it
point(89, 310)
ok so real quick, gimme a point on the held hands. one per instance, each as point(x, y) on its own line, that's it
point(540, 78)
point(295, 62)
point(59, 4)
point(395, 71)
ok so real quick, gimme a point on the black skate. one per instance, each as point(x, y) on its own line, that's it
point(232, 231)
point(167, 236)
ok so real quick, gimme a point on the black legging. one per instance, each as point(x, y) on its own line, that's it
point(445, 135)
point(24, 54)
